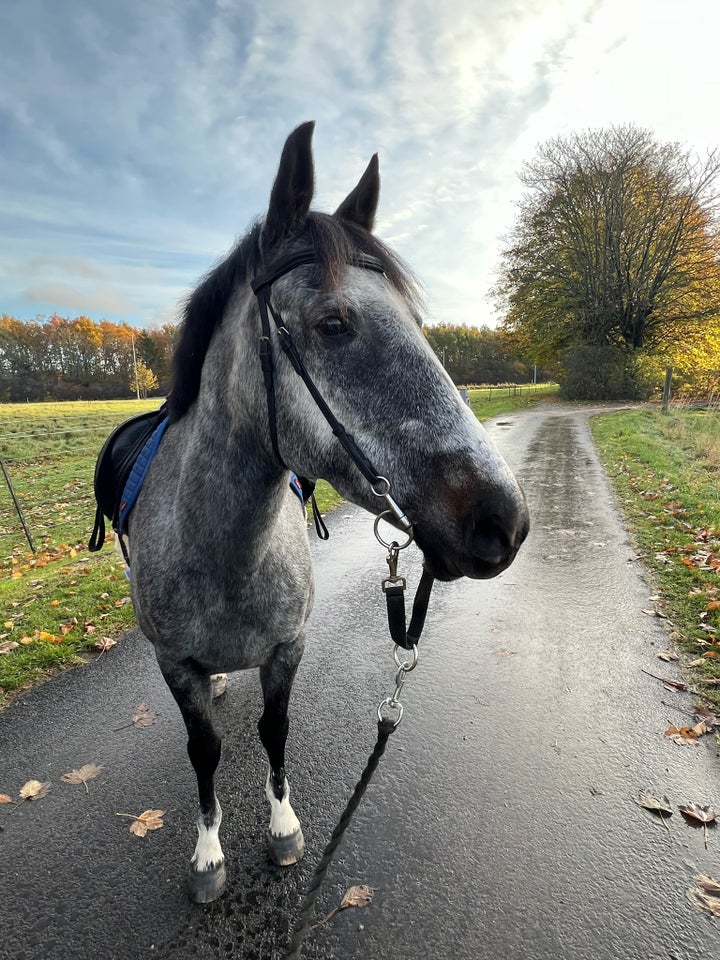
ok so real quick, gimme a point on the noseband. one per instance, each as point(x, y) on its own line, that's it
point(393, 585)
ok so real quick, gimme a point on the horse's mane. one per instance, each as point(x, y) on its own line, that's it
point(334, 242)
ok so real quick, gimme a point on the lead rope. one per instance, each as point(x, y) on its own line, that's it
point(386, 726)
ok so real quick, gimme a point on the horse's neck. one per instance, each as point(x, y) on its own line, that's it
point(226, 480)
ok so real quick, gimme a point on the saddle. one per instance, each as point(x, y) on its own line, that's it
point(120, 453)
point(123, 463)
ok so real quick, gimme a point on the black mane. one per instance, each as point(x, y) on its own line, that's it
point(334, 242)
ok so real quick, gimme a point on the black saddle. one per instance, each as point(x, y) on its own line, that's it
point(113, 467)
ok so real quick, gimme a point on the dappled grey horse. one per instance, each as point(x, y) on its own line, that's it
point(221, 575)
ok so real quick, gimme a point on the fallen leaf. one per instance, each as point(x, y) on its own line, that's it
point(708, 884)
point(144, 716)
point(104, 644)
point(682, 735)
point(34, 790)
point(4, 798)
point(9, 624)
point(8, 645)
point(703, 815)
point(148, 820)
point(651, 803)
point(502, 653)
point(707, 716)
point(85, 773)
point(703, 901)
point(667, 655)
point(359, 896)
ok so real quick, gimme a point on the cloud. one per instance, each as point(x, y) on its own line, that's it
point(63, 298)
point(140, 138)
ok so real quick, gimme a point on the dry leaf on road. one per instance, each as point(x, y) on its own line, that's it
point(703, 815)
point(88, 772)
point(34, 790)
point(143, 717)
point(4, 798)
point(708, 884)
point(358, 896)
point(651, 803)
point(104, 644)
point(704, 901)
point(668, 655)
point(685, 735)
point(148, 820)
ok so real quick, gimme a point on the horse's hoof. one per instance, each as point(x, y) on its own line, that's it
point(285, 851)
point(204, 886)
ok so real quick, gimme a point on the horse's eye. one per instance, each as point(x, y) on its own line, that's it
point(332, 327)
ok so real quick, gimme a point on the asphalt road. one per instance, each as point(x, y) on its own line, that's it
point(500, 823)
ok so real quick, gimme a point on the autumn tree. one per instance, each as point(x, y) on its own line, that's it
point(615, 249)
point(476, 354)
point(143, 380)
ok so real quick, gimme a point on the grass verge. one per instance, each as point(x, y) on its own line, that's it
point(487, 402)
point(666, 473)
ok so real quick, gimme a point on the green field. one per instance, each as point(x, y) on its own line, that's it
point(666, 473)
point(57, 604)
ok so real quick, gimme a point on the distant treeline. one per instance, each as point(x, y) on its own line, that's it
point(76, 359)
point(480, 355)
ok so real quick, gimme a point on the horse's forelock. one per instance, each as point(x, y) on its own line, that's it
point(335, 242)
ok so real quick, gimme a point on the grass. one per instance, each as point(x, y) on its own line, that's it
point(60, 602)
point(487, 402)
point(666, 473)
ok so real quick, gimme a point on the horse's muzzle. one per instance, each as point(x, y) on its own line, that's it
point(491, 533)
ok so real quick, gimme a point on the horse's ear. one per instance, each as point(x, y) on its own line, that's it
point(361, 203)
point(294, 184)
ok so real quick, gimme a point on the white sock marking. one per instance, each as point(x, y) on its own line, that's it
point(208, 852)
point(283, 821)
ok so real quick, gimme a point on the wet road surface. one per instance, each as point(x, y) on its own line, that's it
point(500, 823)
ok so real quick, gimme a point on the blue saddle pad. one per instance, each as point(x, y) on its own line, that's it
point(141, 467)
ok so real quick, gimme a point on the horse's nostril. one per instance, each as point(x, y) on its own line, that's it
point(490, 537)
point(493, 535)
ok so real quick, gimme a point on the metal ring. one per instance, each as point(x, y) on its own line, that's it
point(394, 543)
point(388, 702)
point(381, 493)
point(407, 667)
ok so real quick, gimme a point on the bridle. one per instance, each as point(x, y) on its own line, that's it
point(393, 585)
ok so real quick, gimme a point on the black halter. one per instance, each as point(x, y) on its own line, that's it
point(262, 288)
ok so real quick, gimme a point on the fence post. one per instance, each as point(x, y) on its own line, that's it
point(666, 389)
point(17, 504)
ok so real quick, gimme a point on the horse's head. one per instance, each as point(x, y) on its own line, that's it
point(358, 333)
point(352, 311)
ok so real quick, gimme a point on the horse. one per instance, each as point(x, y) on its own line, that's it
point(218, 548)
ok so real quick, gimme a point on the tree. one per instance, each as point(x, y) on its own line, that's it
point(143, 380)
point(615, 246)
point(476, 354)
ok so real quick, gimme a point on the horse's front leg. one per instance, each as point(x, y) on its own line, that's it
point(192, 691)
point(285, 838)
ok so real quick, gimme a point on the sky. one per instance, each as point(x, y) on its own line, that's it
point(138, 140)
